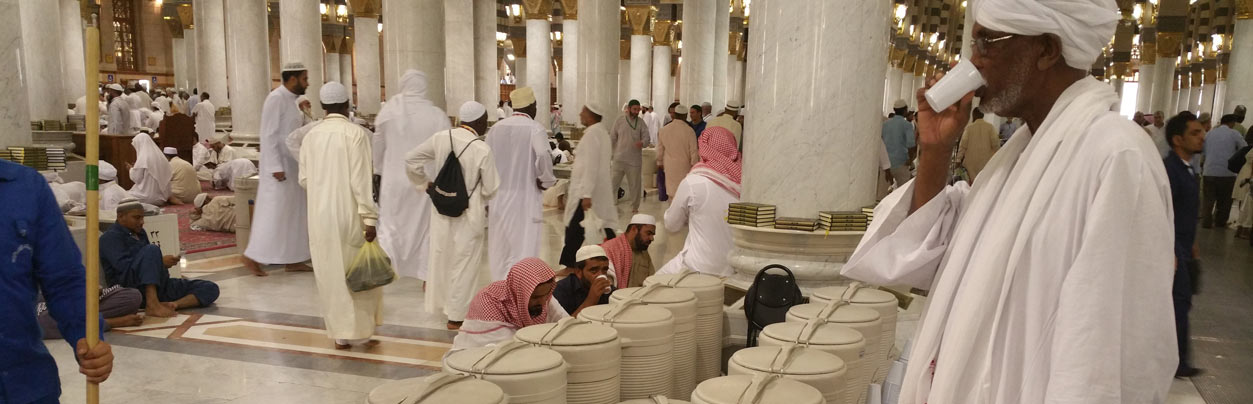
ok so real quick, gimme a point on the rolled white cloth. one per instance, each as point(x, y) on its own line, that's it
point(1084, 26)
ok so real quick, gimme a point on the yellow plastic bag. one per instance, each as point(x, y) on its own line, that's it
point(370, 269)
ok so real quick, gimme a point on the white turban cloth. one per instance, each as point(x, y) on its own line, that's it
point(1084, 26)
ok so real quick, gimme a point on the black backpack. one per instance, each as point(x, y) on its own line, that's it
point(448, 192)
point(1237, 161)
point(768, 300)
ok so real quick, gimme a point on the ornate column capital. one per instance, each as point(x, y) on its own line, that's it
point(1120, 69)
point(570, 9)
point(519, 47)
point(537, 9)
point(663, 35)
point(735, 42)
point(331, 42)
point(1148, 53)
point(1244, 9)
point(1168, 44)
point(186, 17)
point(624, 49)
point(366, 8)
point(176, 27)
point(639, 18)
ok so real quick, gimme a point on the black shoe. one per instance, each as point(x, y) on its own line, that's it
point(1185, 372)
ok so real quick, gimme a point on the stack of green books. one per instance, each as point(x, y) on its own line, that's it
point(33, 157)
point(750, 214)
point(843, 221)
point(869, 212)
point(53, 124)
point(796, 223)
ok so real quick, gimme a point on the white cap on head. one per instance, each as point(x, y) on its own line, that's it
point(595, 107)
point(589, 251)
point(641, 218)
point(106, 172)
point(471, 111)
point(1084, 26)
point(294, 67)
point(899, 104)
point(218, 137)
point(170, 151)
point(115, 87)
point(733, 106)
point(333, 93)
point(200, 199)
point(522, 97)
point(128, 204)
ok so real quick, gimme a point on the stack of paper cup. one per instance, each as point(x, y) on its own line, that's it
point(525, 373)
point(592, 354)
point(647, 339)
point(709, 317)
point(682, 305)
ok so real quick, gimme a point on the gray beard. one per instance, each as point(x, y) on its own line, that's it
point(1012, 96)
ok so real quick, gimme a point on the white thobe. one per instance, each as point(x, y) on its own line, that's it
point(163, 104)
point(111, 194)
point(152, 119)
point(228, 172)
point(119, 117)
point(201, 155)
point(701, 205)
point(589, 177)
point(404, 212)
point(654, 125)
point(516, 218)
point(457, 243)
point(80, 105)
point(1050, 280)
point(1159, 139)
point(335, 170)
point(206, 123)
point(280, 228)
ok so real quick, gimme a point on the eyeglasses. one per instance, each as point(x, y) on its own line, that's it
point(981, 43)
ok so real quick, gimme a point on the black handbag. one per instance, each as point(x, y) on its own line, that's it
point(769, 298)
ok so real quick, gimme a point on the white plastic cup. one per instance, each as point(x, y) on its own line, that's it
point(963, 79)
point(607, 289)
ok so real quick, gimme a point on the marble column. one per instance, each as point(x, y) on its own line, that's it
point(345, 70)
point(1207, 100)
point(599, 29)
point(330, 63)
point(735, 80)
point(73, 65)
point(663, 84)
point(192, 79)
point(1164, 79)
point(459, 55)
point(366, 49)
point(42, 70)
point(641, 68)
point(211, 48)
point(179, 53)
point(907, 85)
point(624, 72)
point(486, 74)
point(570, 41)
point(415, 40)
point(893, 91)
point(1185, 89)
point(845, 40)
point(539, 52)
point(1194, 99)
point(1117, 83)
point(722, 23)
point(249, 67)
point(699, 27)
point(300, 40)
point(1144, 89)
point(1239, 89)
point(15, 111)
point(1220, 97)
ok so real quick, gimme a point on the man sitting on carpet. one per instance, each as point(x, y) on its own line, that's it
point(128, 259)
point(184, 184)
point(213, 213)
point(629, 252)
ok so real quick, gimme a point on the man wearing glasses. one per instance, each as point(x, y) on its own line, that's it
point(1050, 279)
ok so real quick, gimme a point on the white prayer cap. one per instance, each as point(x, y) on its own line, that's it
point(218, 137)
point(471, 111)
point(641, 218)
point(589, 251)
point(170, 151)
point(115, 87)
point(1084, 26)
point(733, 106)
point(200, 199)
point(899, 104)
point(333, 93)
point(595, 107)
point(294, 67)
point(128, 204)
point(522, 97)
point(107, 171)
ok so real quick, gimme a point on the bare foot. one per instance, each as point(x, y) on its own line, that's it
point(301, 267)
point(342, 346)
point(454, 325)
point(254, 267)
point(130, 320)
point(160, 310)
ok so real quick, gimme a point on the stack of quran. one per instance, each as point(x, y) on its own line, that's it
point(53, 124)
point(36, 125)
point(843, 221)
point(796, 223)
point(77, 123)
point(869, 212)
point(39, 158)
point(750, 214)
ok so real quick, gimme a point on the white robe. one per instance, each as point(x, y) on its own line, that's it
point(457, 243)
point(1051, 279)
point(151, 172)
point(206, 123)
point(119, 117)
point(479, 333)
point(280, 228)
point(228, 172)
point(201, 155)
point(516, 218)
point(404, 212)
point(163, 104)
point(111, 194)
point(335, 171)
point(701, 205)
point(589, 177)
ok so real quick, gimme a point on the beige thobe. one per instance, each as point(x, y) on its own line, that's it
point(184, 183)
point(676, 153)
point(217, 215)
point(978, 144)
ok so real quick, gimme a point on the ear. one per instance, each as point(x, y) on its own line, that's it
point(1050, 52)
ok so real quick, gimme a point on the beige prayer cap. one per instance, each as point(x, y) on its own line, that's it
point(471, 111)
point(200, 199)
point(127, 205)
point(589, 251)
point(294, 67)
point(333, 93)
point(899, 104)
point(115, 87)
point(522, 97)
point(218, 137)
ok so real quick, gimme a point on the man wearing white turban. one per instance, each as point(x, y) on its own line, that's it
point(516, 218)
point(1050, 278)
point(404, 213)
point(111, 194)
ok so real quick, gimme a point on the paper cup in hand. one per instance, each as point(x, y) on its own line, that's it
point(963, 79)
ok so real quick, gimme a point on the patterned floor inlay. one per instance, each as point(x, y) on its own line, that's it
point(314, 341)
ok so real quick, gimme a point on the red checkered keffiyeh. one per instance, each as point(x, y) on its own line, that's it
point(506, 301)
point(619, 253)
point(719, 159)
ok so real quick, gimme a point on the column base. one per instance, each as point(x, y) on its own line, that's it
point(815, 258)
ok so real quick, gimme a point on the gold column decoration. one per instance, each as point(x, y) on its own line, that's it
point(639, 17)
point(1147, 52)
point(908, 62)
point(331, 43)
point(366, 8)
point(897, 55)
point(185, 16)
point(1244, 9)
point(519, 47)
point(920, 66)
point(537, 9)
point(734, 43)
point(1168, 44)
point(1197, 70)
point(1222, 72)
point(1120, 69)
point(570, 9)
point(624, 49)
point(663, 35)
point(345, 46)
point(176, 28)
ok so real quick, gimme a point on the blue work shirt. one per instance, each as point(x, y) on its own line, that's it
point(1220, 144)
point(898, 138)
point(699, 128)
point(38, 255)
point(1185, 195)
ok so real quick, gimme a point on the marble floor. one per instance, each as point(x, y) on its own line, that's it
point(262, 342)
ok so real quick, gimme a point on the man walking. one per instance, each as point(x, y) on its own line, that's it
point(1220, 144)
point(515, 221)
point(629, 136)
